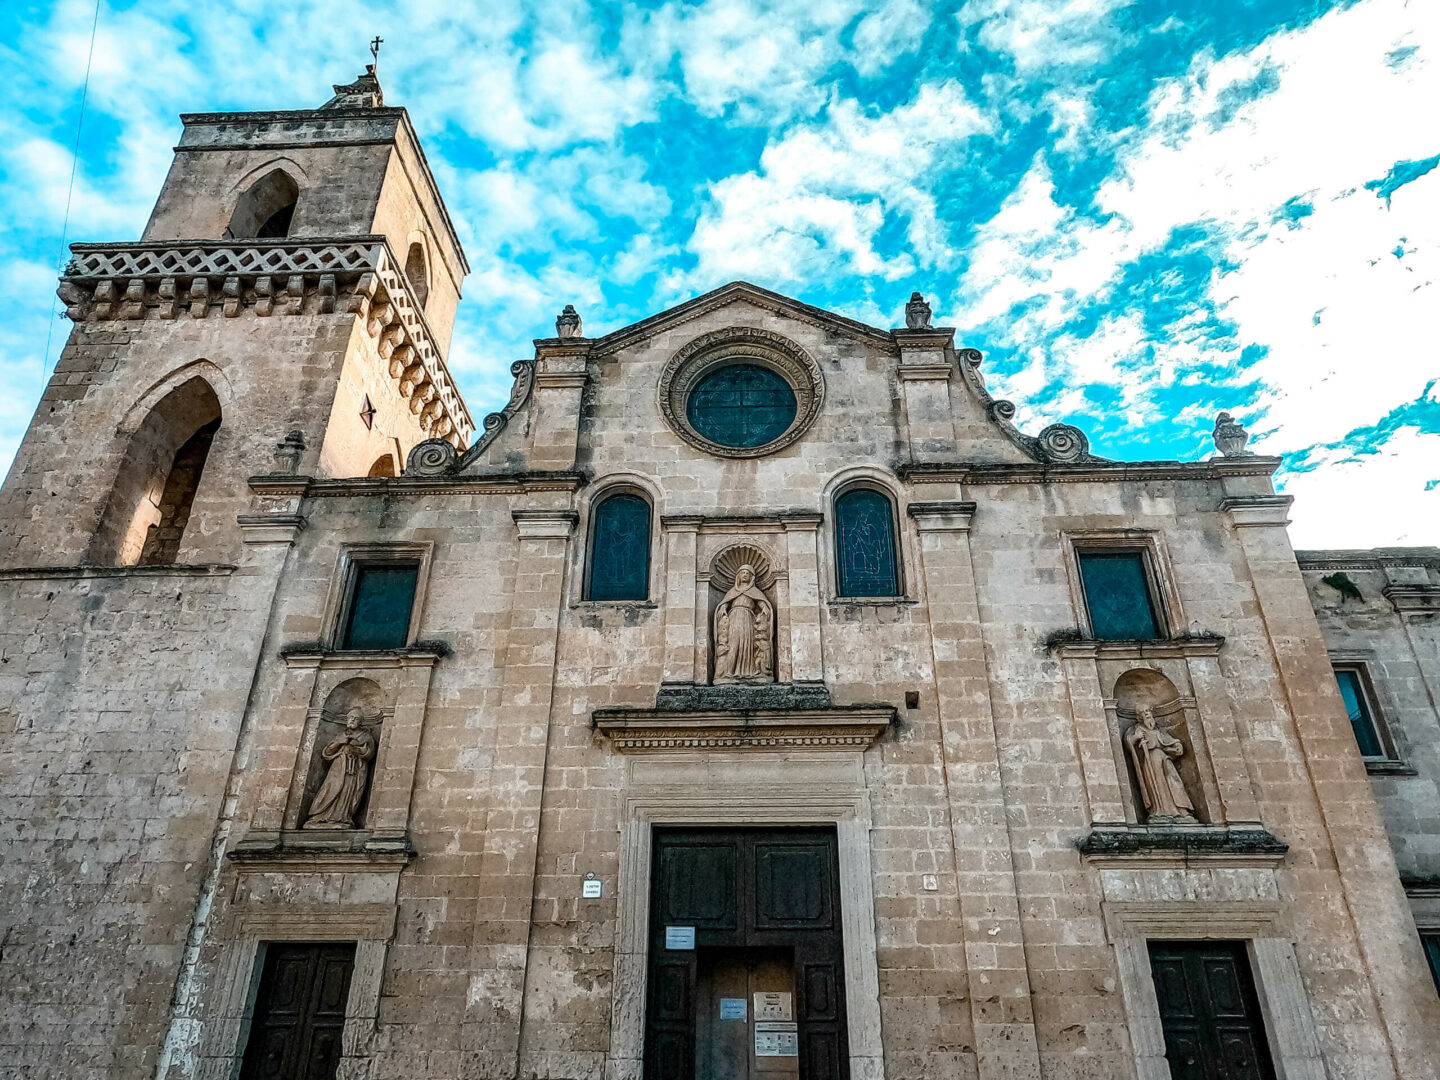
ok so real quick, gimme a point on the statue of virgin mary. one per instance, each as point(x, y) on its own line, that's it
point(744, 632)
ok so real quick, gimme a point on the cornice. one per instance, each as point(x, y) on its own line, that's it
point(401, 486)
point(1369, 558)
point(985, 473)
point(634, 731)
point(764, 299)
point(1095, 649)
point(71, 573)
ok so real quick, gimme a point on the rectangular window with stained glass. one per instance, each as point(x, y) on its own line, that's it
point(1362, 717)
point(382, 599)
point(1117, 595)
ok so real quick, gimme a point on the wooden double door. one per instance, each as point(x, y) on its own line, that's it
point(746, 972)
point(1209, 1011)
point(299, 1012)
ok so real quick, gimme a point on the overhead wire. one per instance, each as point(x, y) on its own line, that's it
point(70, 191)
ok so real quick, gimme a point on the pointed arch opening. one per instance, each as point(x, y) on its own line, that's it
point(266, 209)
point(417, 274)
point(154, 491)
point(384, 466)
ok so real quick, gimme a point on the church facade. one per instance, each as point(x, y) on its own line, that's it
point(749, 697)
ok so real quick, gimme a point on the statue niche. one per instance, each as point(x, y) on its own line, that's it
point(743, 627)
point(1161, 762)
point(342, 762)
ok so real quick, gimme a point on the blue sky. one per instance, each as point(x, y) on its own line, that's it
point(1141, 212)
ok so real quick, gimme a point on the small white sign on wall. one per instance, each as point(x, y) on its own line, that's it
point(590, 889)
point(776, 1040)
point(679, 937)
point(732, 1008)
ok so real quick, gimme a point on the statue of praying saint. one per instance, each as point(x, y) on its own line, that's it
point(1154, 751)
point(339, 796)
point(744, 629)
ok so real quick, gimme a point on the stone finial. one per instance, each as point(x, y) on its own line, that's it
point(1230, 437)
point(363, 93)
point(917, 313)
point(567, 325)
point(288, 451)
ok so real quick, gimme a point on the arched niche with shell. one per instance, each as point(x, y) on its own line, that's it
point(742, 620)
point(342, 757)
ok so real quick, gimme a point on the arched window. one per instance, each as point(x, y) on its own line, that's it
point(620, 549)
point(416, 274)
point(155, 488)
point(865, 555)
point(265, 210)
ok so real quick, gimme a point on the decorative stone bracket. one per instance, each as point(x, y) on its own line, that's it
point(358, 275)
point(639, 731)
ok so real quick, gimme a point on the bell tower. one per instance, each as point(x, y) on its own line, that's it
point(299, 273)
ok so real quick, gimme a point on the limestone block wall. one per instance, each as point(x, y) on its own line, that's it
point(120, 698)
point(1392, 629)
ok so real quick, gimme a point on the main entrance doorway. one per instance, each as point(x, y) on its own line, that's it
point(746, 978)
point(1209, 1011)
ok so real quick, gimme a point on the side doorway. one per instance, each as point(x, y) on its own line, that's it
point(746, 970)
point(299, 1012)
point(1209, 1011)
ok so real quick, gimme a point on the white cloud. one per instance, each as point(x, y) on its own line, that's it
point(1348, 326)
point(1041, 34)
point(817, 203)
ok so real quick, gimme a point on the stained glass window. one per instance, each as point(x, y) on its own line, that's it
point(381, 600)
point(743, 405)
point(865, 544)
point(620, 549)
point(1117, 595)
point(1357, 705)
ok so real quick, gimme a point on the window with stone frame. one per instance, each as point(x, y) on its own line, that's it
point(1359, 698)
point(1119, 590)
point(866, 557)
point(619, 564)
point(379, 604)
point(1430, 941)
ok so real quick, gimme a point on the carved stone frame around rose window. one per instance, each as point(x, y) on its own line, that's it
point(740, 345)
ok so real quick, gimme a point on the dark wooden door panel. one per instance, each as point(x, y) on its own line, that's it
point(1209, 1011)
point(299, 1015)
point(747, 890)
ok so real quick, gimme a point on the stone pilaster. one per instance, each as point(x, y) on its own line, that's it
point(1384, 929)
point(681, 587)
point(999, 983)
point(500, 946)
point(559, 385)
point(925, 386)
point(802, 537)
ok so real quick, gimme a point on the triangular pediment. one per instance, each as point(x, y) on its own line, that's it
point(739, 292)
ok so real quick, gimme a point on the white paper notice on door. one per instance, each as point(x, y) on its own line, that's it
point(772, 1005)
point(777, 1043)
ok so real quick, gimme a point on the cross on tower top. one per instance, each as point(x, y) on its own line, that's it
point(375, 48)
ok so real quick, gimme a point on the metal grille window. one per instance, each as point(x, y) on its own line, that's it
point(1362, 717)
point(865, 544)
point(1117, 595)
point(620, 549)
point(743, 406)
point(382, 598)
